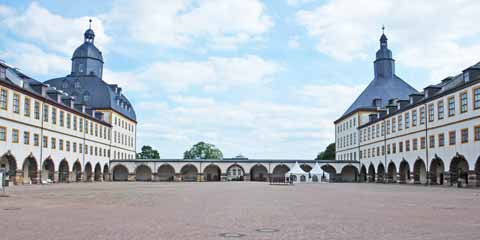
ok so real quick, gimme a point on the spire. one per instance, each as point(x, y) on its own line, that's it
point(383, 39)
point(89, 34)
point(384, 64)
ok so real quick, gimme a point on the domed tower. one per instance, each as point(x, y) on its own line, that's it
point(87, 59)
point(384, 65)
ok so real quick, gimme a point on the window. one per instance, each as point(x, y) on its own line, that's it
point(407, 120)
point(26, 138)
point(415, 144)
point(80, 124)
point(26, 107)
point(86, 126)
point(407, 145)
point(15, 136)
point(67, 146)
point(16, 103)
point(75, 123)
point(414, 118)
point(60, 144)
point(431, 112)
point(400, 123)
point(451, 106)
point(477, 133)
point(440, 109)
point(3, 134)
point(400, 147)
point(476, 98)
point(388, 126)
point(80, 148)
point(422, 142)
point(91, 128)
point(54, 115)
point(463, 102)
point(464, 135)
point(431, 141)
point(422, 115)
point(388, 148)
point(36, 140)
point(45, 141)
point(96, 130)
point(62, 114)
point(441, 140)
point(45, 113)
point(3, 99)
point(53, 143)
point(36, 110)
point(394, 125)
point(69, 119)
point(394, 148)
point(451, 138)
point(74, 147)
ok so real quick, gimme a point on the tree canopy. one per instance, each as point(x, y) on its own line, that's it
point(203, 150)
point(148, 153)
point(328, 153)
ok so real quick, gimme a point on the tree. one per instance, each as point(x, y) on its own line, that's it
point(148, 153)
point(328, 154)
point(203, 150)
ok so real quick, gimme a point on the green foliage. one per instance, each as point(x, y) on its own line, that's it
point(203, 150)
point(148, 153)
point(328, 154)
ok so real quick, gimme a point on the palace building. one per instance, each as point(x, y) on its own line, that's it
point(65, 129)
point(402, 135)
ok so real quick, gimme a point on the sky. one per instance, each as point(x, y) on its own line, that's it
point(265, 79)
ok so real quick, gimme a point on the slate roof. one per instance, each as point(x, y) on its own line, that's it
point(88, 50)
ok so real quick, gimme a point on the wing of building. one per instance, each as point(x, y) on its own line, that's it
point(402, 135)
point(64, 129)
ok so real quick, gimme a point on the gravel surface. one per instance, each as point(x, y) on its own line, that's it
point(239, 210)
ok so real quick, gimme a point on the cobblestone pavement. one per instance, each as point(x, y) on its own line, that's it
point(245, 210)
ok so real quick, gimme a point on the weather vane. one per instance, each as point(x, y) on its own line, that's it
point(90, 23)
point(383, 29)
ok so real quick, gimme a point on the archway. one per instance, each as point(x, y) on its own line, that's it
point(9, 163)
point(120, 173)
point(212, 173)
point(77, 171)
point(48, 170)
point(404, 172)
point(30, 171)
point(391, 173)
point(106, 173)
point(381, 173)
point(143, 173)
point(189, 173)
point(235, 173)
point(363, 174)
point(63, 171)
point(349, 173)
point(459, 171)
point(437, 170)
point(88, 172)
point(477, 171)
point(331, 171)
point(305, 167)
point(166, 173)
point(371, 173)
point(278, 174)
point(258, 173)
point(419, 172)
point(98, 173)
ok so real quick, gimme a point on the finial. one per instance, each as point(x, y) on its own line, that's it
point(90, 24)
point(383, 29)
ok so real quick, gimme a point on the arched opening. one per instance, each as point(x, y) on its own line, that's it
point(381, 173)
point(459, 171)
point(437, 170)
point(143, 173)
point(371, 173)
point(98, 173)
point(477, 171)
point(189, 173)
point(166, 173)
point(77, 171)
point(332, 172)
point(305, 167)
point(420, 172)
point(48, 171)
point(278, 174)
point(88, 172)
point(106, 173)
point(404, 172)
point(258, 173)
point(363, 174)
point(9, 163)
point(212, 173)
point(314, 178)
point(120, 173)
point(391, 173)
point(349, 173)
point(30, 171)
point(235, 173)
point(63, 171)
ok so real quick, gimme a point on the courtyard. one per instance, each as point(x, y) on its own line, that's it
point(243, 210)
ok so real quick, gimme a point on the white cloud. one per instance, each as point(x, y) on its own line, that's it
point(176, 23)
point(426, 34)
point(296, 3)
point(293, 42)
point(58, 33)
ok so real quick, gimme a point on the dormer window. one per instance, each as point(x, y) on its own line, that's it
point(86, 97)
point(77, 84)
point(2, 72)
point(65, 84)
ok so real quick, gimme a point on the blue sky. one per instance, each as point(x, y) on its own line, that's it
point(262, 78)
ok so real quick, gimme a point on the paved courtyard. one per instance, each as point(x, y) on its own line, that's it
point(251, 210)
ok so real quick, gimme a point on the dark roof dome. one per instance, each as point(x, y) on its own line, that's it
point(87, 50)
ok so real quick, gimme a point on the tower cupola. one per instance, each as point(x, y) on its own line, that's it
point(87, 59)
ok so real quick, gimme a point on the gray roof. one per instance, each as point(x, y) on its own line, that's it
point(88, 50)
